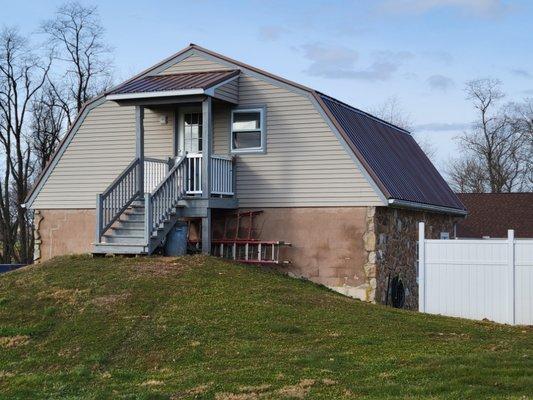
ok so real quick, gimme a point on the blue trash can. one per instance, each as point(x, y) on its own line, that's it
point(176, 243)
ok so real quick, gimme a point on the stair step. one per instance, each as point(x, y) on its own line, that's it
point(118, 248)
point(122, 239)
point(123, 231)
point(130, 224)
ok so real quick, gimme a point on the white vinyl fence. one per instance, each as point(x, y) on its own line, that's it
point(477, 278)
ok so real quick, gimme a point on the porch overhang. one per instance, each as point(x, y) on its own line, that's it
point(221, 85)
point(151, 95)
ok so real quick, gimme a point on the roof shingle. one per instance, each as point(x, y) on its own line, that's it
point(492, 214)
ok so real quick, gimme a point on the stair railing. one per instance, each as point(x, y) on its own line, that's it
point(117, 197)
point(160, 203)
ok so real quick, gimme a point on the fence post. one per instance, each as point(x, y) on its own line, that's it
point(511, 292)
point(421, 268)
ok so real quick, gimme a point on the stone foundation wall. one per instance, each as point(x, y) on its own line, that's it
point(396, 237)
point(327, 244)
point(59, 232)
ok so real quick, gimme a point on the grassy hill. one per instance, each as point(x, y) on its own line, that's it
point(197, 327)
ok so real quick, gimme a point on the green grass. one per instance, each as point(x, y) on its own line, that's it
point(194, 327)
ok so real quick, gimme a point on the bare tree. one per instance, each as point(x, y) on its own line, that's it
point(467, 175)
point(22, 75)
point(392, 111)
point(499, 142)
point(47, 124)
point(76, 37)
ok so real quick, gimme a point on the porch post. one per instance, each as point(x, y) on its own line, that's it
point(207, 145)
point(139, 146)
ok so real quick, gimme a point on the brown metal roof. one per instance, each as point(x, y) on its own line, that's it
point(163, 83)
point(492, 214)
point(391, 156)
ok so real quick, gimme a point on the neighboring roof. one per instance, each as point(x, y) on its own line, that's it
point(492, 214)
point(389, 154)
point(174, 82)
point(393, 157)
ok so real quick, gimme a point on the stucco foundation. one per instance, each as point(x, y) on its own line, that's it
point(326, 245)
point(61, 232)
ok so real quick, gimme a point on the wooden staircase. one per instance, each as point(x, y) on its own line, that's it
point(130, 223)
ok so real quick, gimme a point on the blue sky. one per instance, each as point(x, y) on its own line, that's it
point(362, 52)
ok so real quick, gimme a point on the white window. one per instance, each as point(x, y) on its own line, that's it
point(248, 130)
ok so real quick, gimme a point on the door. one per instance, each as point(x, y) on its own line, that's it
point(190, 143)
point(190, 131)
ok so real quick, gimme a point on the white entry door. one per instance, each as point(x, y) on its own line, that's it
point(190, 131)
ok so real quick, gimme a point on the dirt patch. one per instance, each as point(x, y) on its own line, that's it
point(298, 391)
point(163, 266)
point(64, 296)
point(152, 382)
point(255, 389)
point(109, 300)
point(14, 341)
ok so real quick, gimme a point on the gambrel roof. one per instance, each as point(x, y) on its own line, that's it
point(391, 158)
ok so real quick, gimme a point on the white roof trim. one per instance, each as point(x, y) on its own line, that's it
point(427, 207)
point(144, 95)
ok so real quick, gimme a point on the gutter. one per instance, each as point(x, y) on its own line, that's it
point(427, 207)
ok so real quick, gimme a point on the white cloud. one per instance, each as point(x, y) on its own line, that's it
point(522, 73)
point(338, 62)
point(443, 126)
point(440, 82)
point(479, 8)
point(271, 32)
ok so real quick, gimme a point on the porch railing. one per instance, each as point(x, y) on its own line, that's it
point(161, 202)
point(194, 173)
point(155, 171)
point(221, 174)
point(117, 197)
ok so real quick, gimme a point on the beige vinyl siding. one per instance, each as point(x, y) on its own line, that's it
point(158, 138)
point(229, 91)
point(305, 164)
point(194, 63)
point(221, 122)
point(100, 150)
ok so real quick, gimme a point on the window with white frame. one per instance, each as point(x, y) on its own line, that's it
point(247, 130)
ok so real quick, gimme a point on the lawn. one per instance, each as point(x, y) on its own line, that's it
point(196, 327)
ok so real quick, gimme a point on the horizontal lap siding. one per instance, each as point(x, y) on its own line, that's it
point(305, 164)
point(99, 151)
point(193, 63)
point(158, 138)
point(229, 91)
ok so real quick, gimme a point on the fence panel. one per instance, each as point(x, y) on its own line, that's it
point(524, 282)
point(477, 279)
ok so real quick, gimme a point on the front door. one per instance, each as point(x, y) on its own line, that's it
point(190, 131)
point(190, 143)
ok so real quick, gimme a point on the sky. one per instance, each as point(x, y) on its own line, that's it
point(421, 52)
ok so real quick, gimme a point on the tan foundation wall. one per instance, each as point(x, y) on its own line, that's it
point(59, 232)
point(327, 244)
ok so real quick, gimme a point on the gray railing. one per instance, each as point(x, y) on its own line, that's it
point(161, 202)
point(155, 171)
point(222, 175)
point(117, 197)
